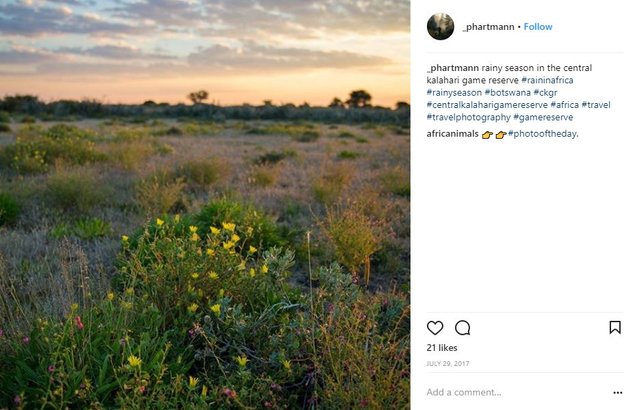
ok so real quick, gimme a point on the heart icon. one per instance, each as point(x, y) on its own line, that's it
point(435, 327)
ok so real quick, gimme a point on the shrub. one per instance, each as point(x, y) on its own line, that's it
point(346, 135)
point(130, 155)
point(362, 343)
point(5, 127)
point(328, 188)
point(75, 191)
point(4, 117)
point(9, 209)
point(353, 237)
point(163, 149)
point(159, 193)
point(396, 181)
point(36, 150)
point(307, 136)
point(252, 223)
point(171, 131)
point(86, 229)
point(66, 131)
point(28, 120)
point(274, 157)
point(197, 323)
point(263, 175)
point(204, 173)
point(348, 155)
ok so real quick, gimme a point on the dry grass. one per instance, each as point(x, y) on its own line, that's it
point(290, 180)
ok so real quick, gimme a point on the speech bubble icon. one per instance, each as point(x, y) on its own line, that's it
point(463, 328)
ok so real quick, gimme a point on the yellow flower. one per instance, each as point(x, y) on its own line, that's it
point(205, 390)
point(252, 272)
point(134, 361)
point(176, 218)
point(228, 245)
point(125, 238)
point(192, 308)
point(210, 252)
point(242, 266)
point(193, 229)
point(127, 305)
point(213, 275)
point(193, 382)
point(159, 222)
point(129, 291)
point(194, 237)
point(195, 275)
point(110, 296)
point(242, 360)
point(216, 309)
point(252, 250)
point(74, 307)
point(221, 292)
point(214, 230)
point(229, 226)
point(235, 238)
point(287, 365)
point(199, 252)
point(264, 269)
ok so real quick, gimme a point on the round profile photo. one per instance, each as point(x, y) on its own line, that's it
point(440, 26)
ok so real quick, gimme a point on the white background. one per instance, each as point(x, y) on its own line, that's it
point(535, 242)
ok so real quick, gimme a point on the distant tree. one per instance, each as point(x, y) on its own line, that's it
point(21, 103)
point(304, 105)
point(359, 99)
point(402, 105)
point(267, 103)
point(149, 102)
point(336, 103)
point(197, 97)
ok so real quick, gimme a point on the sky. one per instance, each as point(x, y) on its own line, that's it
point(240, 51)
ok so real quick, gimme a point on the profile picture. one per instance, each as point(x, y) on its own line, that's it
point(440, 26)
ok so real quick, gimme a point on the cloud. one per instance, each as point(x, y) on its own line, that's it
point(254, 56)
point(296, 17)
point(21, 55)
point(175, 13)
point(27, 20)
point(115, 52)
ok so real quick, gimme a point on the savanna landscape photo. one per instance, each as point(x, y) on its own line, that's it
point(204, 204)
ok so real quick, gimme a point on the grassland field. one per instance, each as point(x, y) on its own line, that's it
point(91, 211)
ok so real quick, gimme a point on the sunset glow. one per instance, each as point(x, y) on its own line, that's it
point(241, 51)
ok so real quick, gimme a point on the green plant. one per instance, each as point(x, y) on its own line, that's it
point(346, 135)
point(328, 187)
point(353, 237)
point(87, 228)
point(4, 117)
point(396, 181)
point(159, 193)
point(307, 136)
point(348, 155)
point(35, 150)
point(130, 155)
point(204, 173)
point(9, 209)
point(263, 175)
point(363, 345)
point(274, 157)
point(75, 191)
point(251, 222)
